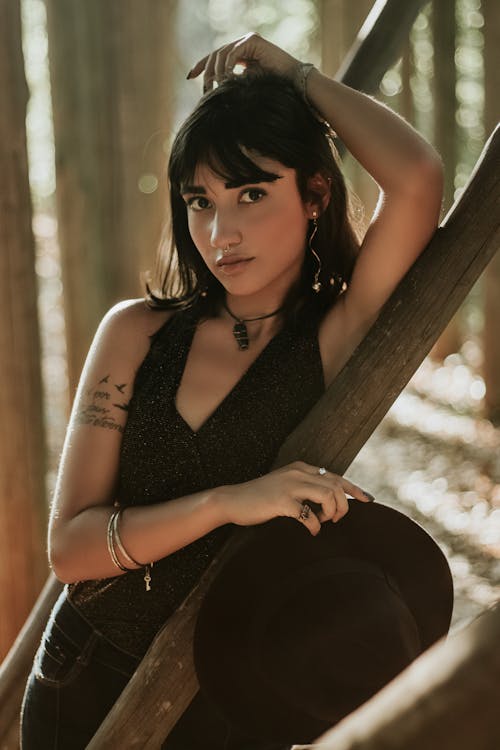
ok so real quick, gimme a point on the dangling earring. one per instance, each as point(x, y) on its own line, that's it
point(202, 287)
point(316, 284)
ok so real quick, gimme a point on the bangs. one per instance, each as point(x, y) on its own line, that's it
point(262, 115)
point(223, 156)
point(228, 125)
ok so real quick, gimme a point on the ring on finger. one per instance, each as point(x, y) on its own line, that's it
point(305, 512)
point(322, 470)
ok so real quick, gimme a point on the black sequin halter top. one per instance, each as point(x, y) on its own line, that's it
point(163, 458)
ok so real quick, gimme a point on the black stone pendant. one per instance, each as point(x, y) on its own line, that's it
point(241, 335)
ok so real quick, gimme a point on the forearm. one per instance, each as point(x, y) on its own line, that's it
point(387, 147)
point(79, 551)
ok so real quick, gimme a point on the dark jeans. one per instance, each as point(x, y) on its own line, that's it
point(76, 677)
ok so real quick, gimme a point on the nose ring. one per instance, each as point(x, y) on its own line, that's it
point(221, 252)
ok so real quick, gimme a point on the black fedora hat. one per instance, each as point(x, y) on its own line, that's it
point(297, 631)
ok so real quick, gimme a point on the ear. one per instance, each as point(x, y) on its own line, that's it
point(318, 194)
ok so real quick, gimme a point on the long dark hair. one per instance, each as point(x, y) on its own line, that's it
point(262, 113)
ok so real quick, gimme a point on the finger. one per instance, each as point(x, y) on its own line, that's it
point(342, 506)
point(350, 487)
point(244, 51)
point(198, 68)
point(320, 494)
point(335, 504)
point(309, 519)
point(209, 74)
point(220, 71)
point(356, 491)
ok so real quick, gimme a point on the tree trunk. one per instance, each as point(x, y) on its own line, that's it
point(332, 434)
point(491, 337)
point(23, 566)
point(366, 189)
point(407, 66)
point(112, 108)
point(445, 130)
point(445, 137)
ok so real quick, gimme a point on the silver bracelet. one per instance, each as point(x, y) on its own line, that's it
point(111, 542)
point(117, 538)
point(300, 78)
point(114, 537)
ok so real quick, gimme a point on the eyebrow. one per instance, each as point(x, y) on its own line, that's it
point(229, 185)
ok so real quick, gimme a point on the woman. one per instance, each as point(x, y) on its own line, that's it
point(184, 401)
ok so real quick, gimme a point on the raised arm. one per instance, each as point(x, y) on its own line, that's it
point(410, 175)
point(406, 167)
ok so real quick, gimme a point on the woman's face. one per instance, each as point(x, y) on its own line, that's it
point(265, 221)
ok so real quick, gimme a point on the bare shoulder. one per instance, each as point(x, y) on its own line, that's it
point(340, 332)
point(119, 347)
point(129, 324)
point(134, 316)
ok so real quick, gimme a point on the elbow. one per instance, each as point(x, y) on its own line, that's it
point(424, 187)
point(60, 568)
point(427, 177)
point(421, 182)
point(60, 560)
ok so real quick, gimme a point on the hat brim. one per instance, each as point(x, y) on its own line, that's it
point(223, 652)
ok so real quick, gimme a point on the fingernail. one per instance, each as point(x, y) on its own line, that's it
point(370, 497)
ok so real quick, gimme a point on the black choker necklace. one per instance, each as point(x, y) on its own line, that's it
point(240, 332)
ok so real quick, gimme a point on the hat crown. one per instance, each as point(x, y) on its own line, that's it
point(364, 635)
point(273, 615)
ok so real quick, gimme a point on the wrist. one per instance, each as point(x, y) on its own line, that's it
point(299, 78)
point(217, 500)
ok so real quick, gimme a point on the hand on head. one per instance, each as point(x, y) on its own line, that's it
point(252, 51)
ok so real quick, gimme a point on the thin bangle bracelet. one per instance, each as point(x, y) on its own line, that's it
point(300, 78)
point(110, 541)
point(119, 542)
point(116, 536)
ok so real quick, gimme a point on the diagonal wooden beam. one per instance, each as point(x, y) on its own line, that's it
point(17, 664)
point(379, 43)
point(333, 432)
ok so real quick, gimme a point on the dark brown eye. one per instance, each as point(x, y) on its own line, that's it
point(190, 203)
point(254, 195)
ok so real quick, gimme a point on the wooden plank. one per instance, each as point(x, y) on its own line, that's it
point(379, 44)
point(23, 512)
point(16, 667)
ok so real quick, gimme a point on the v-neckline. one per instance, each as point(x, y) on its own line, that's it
point(186, 347)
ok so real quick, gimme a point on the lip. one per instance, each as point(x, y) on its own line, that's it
point(235, 266)
point(229, 261)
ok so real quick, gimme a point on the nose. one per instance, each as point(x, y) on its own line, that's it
point(224, 231)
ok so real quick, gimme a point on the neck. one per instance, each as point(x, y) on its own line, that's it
point(255, 305)
point(252, 318)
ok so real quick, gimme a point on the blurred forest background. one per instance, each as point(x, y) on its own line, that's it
point(106, 91)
